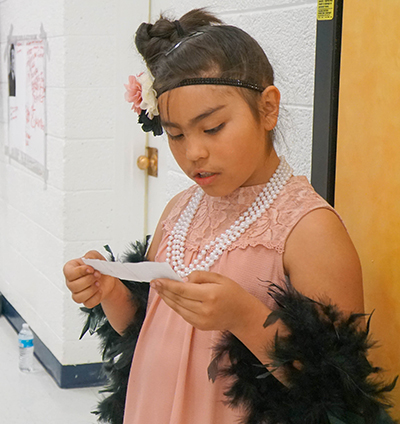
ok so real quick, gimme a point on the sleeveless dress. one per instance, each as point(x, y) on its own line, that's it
point(168, 382)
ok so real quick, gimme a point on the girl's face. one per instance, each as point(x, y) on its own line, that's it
point(215, 138)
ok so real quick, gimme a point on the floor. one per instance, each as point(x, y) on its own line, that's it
point(35, 398)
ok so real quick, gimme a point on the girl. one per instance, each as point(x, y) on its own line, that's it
point(237, 237)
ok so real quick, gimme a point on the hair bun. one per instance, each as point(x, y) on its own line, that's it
point(142, 38)
point(155, 40)
point(179, 29)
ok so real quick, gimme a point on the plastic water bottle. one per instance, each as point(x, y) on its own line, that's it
point(25, 339)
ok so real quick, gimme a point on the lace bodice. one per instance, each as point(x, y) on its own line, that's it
point(253, 261)
point(216, 214)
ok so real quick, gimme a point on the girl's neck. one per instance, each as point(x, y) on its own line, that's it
point(271, 162)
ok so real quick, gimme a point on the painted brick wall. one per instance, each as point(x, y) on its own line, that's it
point(31, 215)
point(89, 144)
point(41, 228)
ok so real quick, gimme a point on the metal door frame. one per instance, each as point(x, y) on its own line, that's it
point(326, 102)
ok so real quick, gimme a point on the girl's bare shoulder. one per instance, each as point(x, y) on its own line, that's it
point(321, 260)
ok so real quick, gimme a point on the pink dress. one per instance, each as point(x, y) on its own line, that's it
point(168, 381)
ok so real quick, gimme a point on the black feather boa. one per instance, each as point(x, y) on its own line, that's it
point(117, 350)
point(333, 384)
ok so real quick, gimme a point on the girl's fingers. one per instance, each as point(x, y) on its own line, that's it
point(198, 286)
point(83, 281)
point(172, 299)
point(208, 301)
point(74, 270)
point(178, 296)
point(189, 289)
point(187, 313)
point(85, 295)
point(94, 300)
point(204, 277)
point(162, 285)
point(194, 312)
point(187, 299)
point(81, 284)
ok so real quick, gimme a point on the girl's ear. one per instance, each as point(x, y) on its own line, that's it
point(269, 107)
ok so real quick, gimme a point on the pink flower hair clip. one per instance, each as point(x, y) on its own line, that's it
point(140, 92)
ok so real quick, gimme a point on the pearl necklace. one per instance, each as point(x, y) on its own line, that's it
point(212, 251)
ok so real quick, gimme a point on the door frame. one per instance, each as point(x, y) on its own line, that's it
point(326, 103)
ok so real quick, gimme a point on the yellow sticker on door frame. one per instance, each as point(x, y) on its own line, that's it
point(326, 10)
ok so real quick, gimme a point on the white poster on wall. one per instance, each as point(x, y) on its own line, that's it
point(27, 108)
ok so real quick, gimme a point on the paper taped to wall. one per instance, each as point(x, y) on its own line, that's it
point(141, 271)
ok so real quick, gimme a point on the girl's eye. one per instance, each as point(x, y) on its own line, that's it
point(215, 129)
point(175, 137)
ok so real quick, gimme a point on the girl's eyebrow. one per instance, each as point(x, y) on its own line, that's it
point(196, 119)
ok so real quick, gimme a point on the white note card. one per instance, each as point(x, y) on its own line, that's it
point(141, 271)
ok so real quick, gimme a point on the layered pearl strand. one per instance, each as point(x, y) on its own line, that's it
point(212, 251)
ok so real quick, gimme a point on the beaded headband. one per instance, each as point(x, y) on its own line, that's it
point(141, 94)
point(220, 81)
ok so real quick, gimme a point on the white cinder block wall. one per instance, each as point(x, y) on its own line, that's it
point(32, 219)
point(42, 228)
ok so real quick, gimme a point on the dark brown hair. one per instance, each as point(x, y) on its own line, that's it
point(221, 51)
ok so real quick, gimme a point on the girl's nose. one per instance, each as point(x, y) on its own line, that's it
point(195, 150)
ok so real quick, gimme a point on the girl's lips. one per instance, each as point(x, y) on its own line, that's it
point(205, 178)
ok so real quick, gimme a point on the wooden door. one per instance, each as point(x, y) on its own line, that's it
point(367, 191)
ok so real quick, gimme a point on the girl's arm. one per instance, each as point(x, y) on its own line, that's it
point(321, 263)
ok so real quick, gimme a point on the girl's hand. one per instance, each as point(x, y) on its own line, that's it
point(87, 285)
point(206, 300)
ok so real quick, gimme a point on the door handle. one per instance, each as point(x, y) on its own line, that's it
point(149, 162)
